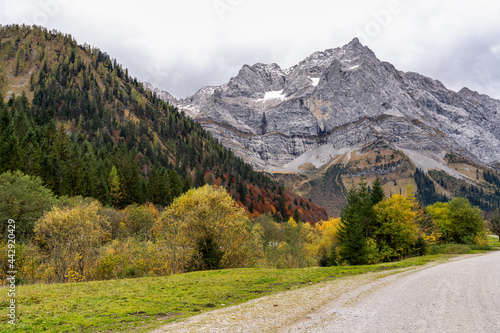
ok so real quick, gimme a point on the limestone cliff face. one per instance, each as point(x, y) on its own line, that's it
point(340, 100)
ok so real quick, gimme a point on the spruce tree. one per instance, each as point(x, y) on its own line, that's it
point(377, 194)
point(296, 215)
point(263, 124)
point(352, 232)
point(210, 253)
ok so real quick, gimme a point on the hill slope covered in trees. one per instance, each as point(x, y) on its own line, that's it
point(73, 116)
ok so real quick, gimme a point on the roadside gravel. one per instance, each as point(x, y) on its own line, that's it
point(458, 296)
point(275, 312)
point(461, 295)
point(287, 311)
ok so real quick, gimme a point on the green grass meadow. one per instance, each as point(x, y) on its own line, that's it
point(145, 303)
point(494, 241)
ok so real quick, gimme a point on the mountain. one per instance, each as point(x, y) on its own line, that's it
point(74, 117)
point(342, 113)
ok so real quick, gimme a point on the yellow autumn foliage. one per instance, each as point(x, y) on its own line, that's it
point(329, 232)
point(397, 229)
point(68, 238)
point(206, 212)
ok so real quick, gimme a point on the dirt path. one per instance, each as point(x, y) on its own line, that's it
point(462, 295)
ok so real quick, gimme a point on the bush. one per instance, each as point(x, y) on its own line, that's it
point(24, 199)
point(130, 258)
point(68, 239)
point(421, 246)
point(481, 247)
point(206, 213)
point(450, 249)
point(458, 221)
point(323, 261)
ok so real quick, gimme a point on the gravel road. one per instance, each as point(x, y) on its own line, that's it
point(458, 296)
point(461, 295)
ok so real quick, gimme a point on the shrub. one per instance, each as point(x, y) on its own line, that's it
point(200, 215)
point(24, 199)
point(458, 221)
point(68, 238)
point(450, 249)
point(421, 246)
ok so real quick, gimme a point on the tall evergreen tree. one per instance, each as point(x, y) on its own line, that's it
point(357, 224)
point(296, 215)
point(352, 231)
point(377, 193)
point(263, 124)
point(495, 222)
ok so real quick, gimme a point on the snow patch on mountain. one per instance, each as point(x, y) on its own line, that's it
point(189, 109)
point(315, 81)
point(338, 100)
point(270, 95)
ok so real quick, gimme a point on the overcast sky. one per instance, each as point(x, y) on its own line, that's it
point(181, 46)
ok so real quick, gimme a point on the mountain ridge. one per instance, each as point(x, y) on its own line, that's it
point(72, 115)
point(334, 103)
point(299, 84)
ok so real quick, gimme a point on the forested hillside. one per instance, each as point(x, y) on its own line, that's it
point(103, 180)
point(74, 117)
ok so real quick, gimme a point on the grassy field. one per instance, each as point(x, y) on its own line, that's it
point(494, 241)
point(144, 303)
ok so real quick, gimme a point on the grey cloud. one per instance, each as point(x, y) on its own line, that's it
point(182, 46)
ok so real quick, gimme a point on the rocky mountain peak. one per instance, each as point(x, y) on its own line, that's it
point(355, 42)
point(164, 95)
point(254, 81)
point(355, 46)
point(339, 100)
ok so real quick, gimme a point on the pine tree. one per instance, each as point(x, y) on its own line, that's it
point(176, 184)
point(242, 190)
point(282, 207)
point(352, 231)
point(92, 174)
point(296, 215)
point(377, 193)
point(495, 222)
point(31, 152)
point(263, 124)
point(355, 218)
point(9, 142)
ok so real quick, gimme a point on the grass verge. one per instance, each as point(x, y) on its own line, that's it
point(494, 241)
point(144, 303)
point(492, 244)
